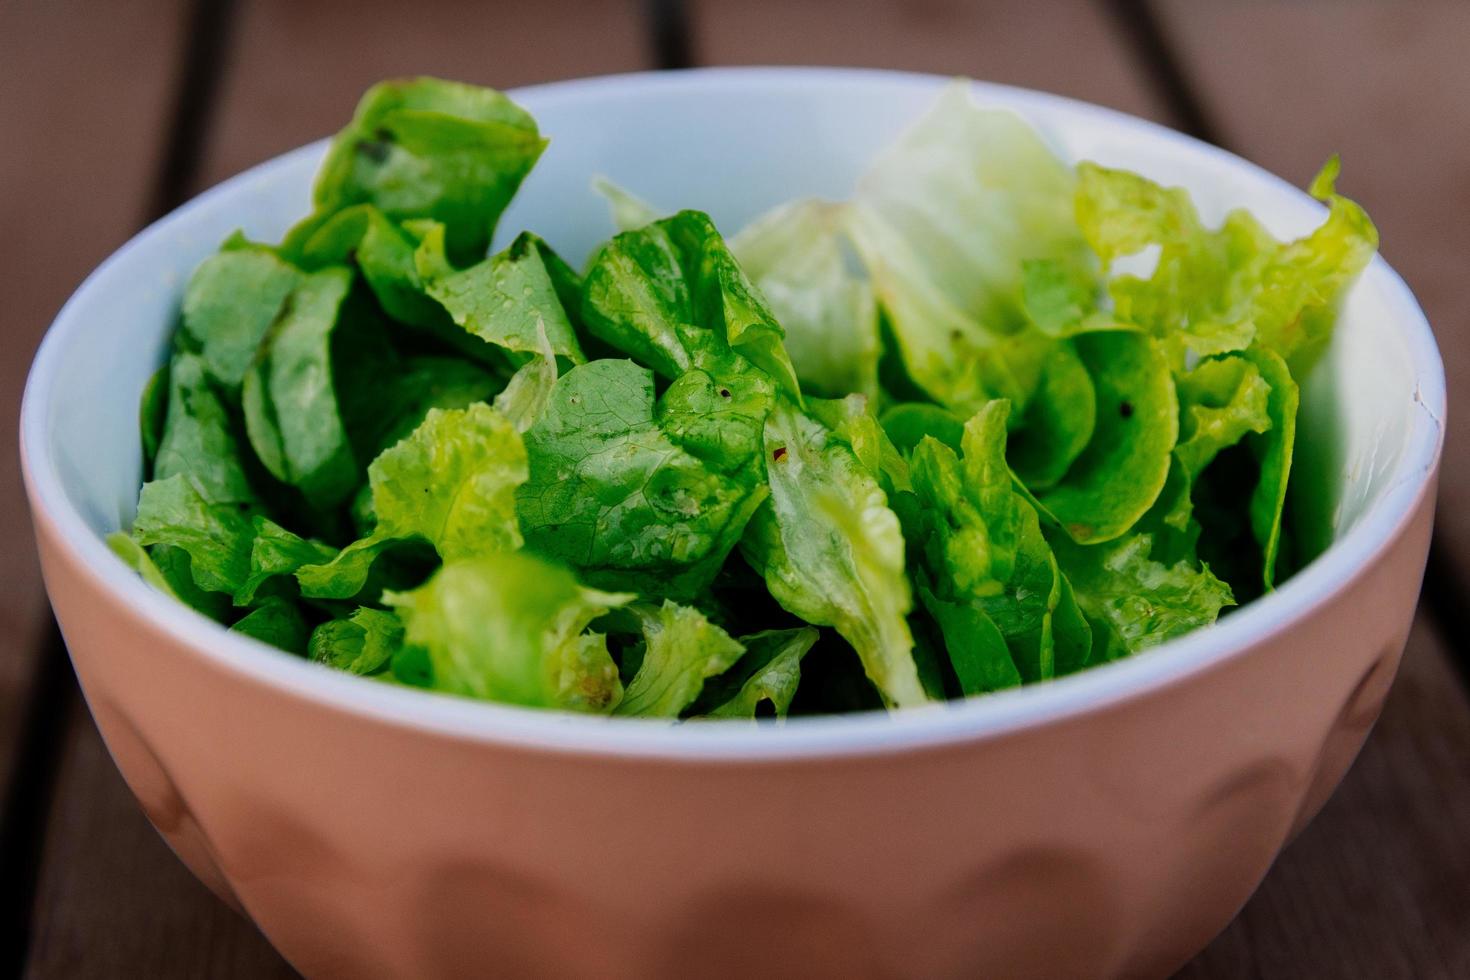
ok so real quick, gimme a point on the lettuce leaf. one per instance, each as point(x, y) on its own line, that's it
point(1122, 471)
point(682, 649)
point(277, 621)
point(796, 255)
point(613, 492)
point(763, 682)
point(1213, 292)
point(944, 221)
point(656, 292)
point(1134, 602)
point(364, 642)
point(198, 438)
point(452, 483)
point(426, 148)
point(507, 626)
point(231, 300)
point(831, 550)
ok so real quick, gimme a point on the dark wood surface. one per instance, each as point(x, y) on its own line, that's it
point(107, 110)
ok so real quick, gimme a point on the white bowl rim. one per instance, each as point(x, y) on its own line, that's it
point(863, 733)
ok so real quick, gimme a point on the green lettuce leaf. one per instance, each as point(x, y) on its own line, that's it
point(944, 221)
point(274, 552)
point(1122, 471)
point(613, 494)
point(425, 148)
point(681, 650)
point(362, 643)
point(764, 681)
point(231, 300)
point(451, 482)
point(216, 536)
point(292, 411)
point(277, 621)
point(655, 293)
point(988, 576)
point(1134, 602)
point(796, 255)
point(198, 437)
point(831, 550)
point(508, 300)
point(508, 627)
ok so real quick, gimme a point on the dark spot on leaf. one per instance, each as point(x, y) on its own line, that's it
point(375, 151)
point(779, 454)
point(724, 392)
point(383, 135)
point(1126, 410)
point(956, 335)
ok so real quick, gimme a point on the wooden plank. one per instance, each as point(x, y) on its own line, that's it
point(1379, 884)
point(1384, 84)
point(300, 67)
point(87, 90)
point(114, 901)
point(1071, 49)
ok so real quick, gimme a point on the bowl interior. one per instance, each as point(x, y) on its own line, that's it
point(733, 142)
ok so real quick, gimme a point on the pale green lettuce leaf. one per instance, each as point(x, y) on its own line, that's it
point(682, 649)
point(797, 256)
point(216, 536)
point(198, 437)
point(944, 221)
point(629, 211)
point(452, 483)
point(831, 550)
point(507, 626)
point(1134, 602)
point(764, 681)
point(362, 643)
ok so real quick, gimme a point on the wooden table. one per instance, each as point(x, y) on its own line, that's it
point(112, 113)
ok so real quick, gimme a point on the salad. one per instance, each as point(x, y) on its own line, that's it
point(994, 419)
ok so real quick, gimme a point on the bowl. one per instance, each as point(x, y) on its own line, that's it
point(1105, 824)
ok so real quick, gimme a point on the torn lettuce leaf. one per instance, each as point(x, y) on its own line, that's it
point(988, 576)
point(1120, 474)
point(797, 256)
point(629, 212)
point(1133, 602)
point(292, 411)
point(231, 300)
point(198, 438)
point(682, 649)
point(507, 626)
point(1217, 291)
point(763, 682)
point(451, 482)
point(944, 221)
point(655, 293)
point(216, 536)
point(508, 300)
point(426, 148)
point(364, 642)
point(277, 621)
point(612, 493)
point(831, 550)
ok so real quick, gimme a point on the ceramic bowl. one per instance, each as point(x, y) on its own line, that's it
point(1107, 824)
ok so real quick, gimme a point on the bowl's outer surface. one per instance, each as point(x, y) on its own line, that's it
point(1112, 839)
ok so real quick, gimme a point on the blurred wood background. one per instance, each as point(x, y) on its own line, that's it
point(113, 113)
